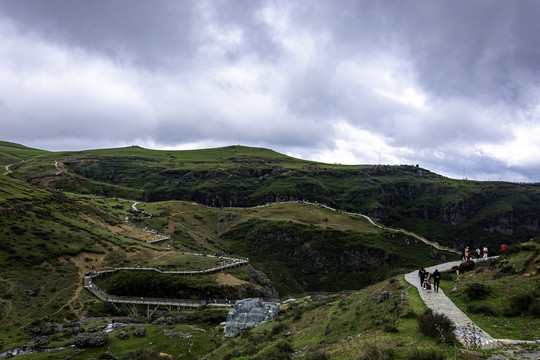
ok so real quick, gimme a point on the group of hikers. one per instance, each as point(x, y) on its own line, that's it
point(426, 277)
point(466, 254)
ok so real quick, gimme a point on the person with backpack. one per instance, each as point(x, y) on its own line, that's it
point(427, 281)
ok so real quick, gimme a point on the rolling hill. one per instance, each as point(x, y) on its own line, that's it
point(64, 214)
point(456, 213)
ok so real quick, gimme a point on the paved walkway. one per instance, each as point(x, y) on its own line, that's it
point(467, 332)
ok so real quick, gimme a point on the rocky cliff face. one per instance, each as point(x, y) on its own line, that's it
point(322, 255)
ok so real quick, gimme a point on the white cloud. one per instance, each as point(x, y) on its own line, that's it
point(341, 84)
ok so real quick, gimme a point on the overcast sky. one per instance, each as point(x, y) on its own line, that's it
point(453, 86)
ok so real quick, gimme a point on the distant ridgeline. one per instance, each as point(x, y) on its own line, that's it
point(455, 213)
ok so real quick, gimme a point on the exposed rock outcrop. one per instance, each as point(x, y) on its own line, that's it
point(248, 313)
point(96, 339)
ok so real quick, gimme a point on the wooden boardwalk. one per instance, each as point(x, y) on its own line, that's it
point(168, 303)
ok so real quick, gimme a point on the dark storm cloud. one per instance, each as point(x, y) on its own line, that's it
point(143, 32)
point(446, 84)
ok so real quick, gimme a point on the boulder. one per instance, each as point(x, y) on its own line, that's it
point(96, 339)
point(164, 320)
point(122, 335)
point(78, 329)
point(41, 341)
point(383, 295)
point(248, 313)
point(48, 329)
point(139, 332)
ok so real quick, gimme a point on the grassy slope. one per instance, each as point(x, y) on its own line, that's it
point(325, 231)
point(54, 245)
point(511, 307)
point(453, 212)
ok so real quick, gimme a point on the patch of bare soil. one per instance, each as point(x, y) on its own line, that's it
point(124, 229)
point(228, 279)
point(84, 262)
point(530, 268)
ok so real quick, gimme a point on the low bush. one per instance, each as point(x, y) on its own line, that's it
point(437, 326)
point(521, 302)
point(410, 314)
point(511, 312)
point(390, 328)
point(448, 275)
point(277, 329)
point(377, 352)
point(316, 356)
point(481, 309)
point(143, 354)
point(534, 308)
point(282, 350)
point(426, 354)
point(477, 291)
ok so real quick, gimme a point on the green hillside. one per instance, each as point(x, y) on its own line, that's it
point(49, 239)
point(456, 213)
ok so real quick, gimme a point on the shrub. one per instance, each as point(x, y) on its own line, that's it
point(481, 309)
point(316, 356)
point(390, 328)
point(447, 275)
point(282, 350)
point(477, 291)
point(376, 352)
point(426, 354)
point(143, 354)
point(277, 329)
point(410, 314)
point(511, 312)
point(521, 302)
point(534, 308)
point(437, 326)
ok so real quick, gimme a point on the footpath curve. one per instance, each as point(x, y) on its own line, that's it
point(416, 236)
point(168, 302)
point(467, 332)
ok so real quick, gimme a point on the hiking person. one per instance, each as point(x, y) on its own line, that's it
point(485, 253)
point(427, 281)
point(478, 253)
point(467, 254)
point(421, 275)
point(462, 254)
point(436, 280)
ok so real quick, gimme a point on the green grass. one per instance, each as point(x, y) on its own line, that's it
point(502, 288)
point(446, 210)
point(344, 327)
point(199, 343)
